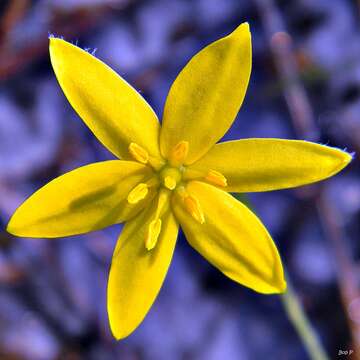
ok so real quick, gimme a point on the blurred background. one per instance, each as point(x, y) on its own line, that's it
point(305, 84)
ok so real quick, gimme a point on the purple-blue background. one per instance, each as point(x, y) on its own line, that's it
point(53, 292)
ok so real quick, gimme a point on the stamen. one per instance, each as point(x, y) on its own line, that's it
point(179, 153)
point(216, 178)
point(193, 207)
point(169, 182)
point(162, 202)
point(154, 228)
point(138, 193)
point(212, 176)
point(153, 233)
point(138, 153)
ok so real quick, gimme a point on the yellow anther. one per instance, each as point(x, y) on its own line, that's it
point(138, 193)
point(216, 178)
point(179, 153)
point(163, 201)
point(138, 153)
point(169, 182)
point(194, 209)
point(154, 228)
point(152, 234)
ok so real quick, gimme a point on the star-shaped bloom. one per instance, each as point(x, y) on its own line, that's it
point(171, 175)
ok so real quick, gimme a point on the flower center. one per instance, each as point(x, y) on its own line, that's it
point(170, 177)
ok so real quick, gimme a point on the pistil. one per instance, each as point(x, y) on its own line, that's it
point(170, 177)
point(169, 182)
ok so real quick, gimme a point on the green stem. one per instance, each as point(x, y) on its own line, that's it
point(301, 323)
point(295, 311)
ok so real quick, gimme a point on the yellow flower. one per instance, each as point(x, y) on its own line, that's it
point(171, 175)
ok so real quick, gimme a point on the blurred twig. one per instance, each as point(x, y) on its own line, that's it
point(14, 12)
point(68, 24)
point(294, 93)
point(303, 121)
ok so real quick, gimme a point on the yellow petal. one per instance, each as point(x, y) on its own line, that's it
point(207, 94)
point(269, 164)
point(136, 274)
point(85, 199)
point(113, 110)
point(232, 238)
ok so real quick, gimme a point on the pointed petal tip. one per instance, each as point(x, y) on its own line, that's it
point(54, 42)
point(245, 25)
point(281, 284)
point(277, 285)
point(118, 332)
point(345, 158)
point(344, 154)
point(17, 226)
point(282, 288)
point(19, 230)
point(22, 231)
point(274, 289)
point(11, 227)
point(348, 156)
point(242, 28)
point(119, 335)
point(241, 35)
point(53, 38)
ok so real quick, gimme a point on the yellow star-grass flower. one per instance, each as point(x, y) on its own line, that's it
point(171, 175)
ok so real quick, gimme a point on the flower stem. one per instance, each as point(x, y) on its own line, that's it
point(301, 323)
point(295, 311)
